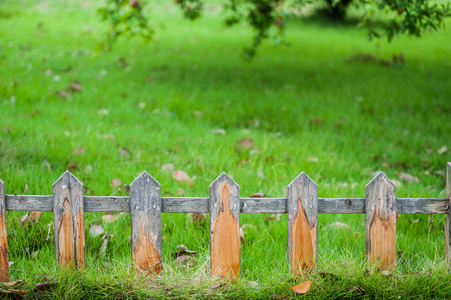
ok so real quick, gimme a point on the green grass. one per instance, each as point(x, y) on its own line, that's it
point(315, 98)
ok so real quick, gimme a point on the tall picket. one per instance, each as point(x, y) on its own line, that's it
point(380, 228)
point(4, 260)
point(225, 227)
point(68, 211)
point(302, 217)
point(145, 217)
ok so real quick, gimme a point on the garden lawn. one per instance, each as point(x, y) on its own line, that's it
point(331, 104)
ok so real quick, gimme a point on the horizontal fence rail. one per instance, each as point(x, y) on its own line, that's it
point(224, 205)
point(247, 205)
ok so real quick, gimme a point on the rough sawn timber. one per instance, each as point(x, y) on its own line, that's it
point(225, 228)
point(69, 222)
point(380, 225)
point(4, 260)
point(302, 217)
point(145, 217)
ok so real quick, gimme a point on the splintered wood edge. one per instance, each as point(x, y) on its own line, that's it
point(302, 210)
point(4, 257)
point(69, 225)
point(385, 217)
point(225, 181)
point(145, 220)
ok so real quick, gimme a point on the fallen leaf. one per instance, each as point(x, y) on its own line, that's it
point(220, 131)
point(96, 230)
point(35, 216)
point(49, 226)
point(10, 263)
point(72, 168)
point(24, 219)
point(102, 249)
point(116, 182)
point(45, 286)
point(180, 192)
point(180, 176)
point(110, 218)
point(408, 178)
point(272, 218)
point(75, 86)
point(442, 150)
point(34, 255)
point(198, 217)
point(167, 168)
point(103, 111)
point(125, 152)
point(242, 233)
point(182, 250)
point(78, 150)
point(12, 283)
point(312, 159)
point(21, 292)
point(246, 143)
point(185, 261)
point(63, 94)
point(258, 195)
point(48, 72)
point(302, 288)
point(339, 225)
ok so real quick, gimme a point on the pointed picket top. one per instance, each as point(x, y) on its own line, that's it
point(302, 177)
point(380, 176)
point(145, 176)
point(67, 176)
point(225, 177)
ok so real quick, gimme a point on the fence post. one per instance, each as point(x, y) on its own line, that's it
point(145, 219)
point(302, 217)
point(380, 225)
point(4, 260)
point(225, 227)
point(448, 215)
point(68, 211)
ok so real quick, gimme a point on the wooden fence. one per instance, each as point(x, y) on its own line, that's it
point(224, 204)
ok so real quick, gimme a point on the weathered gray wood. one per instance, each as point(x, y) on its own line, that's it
point(225, 227)
point(68, 221)
point(380, 225)
point(448, 215)
point(4, 257)
point(145, 217)
point(302, 217)
point(248, 205)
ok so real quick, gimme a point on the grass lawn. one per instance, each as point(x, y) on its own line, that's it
point(331, 104)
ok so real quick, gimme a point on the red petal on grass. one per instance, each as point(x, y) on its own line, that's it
point(302, 288)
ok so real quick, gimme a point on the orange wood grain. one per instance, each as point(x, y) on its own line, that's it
point(80, 241)
point(146, 255)
point(225, 254)
point(4, 260)
point(383, 243)
point(66, 238)
point(303, 238)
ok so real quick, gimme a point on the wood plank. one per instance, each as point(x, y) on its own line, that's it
point(225, 228)
point(248, 205)
point(4, 258)
point(69, 222)
point(302, 216)
point(380, 225)
point(448, 215)
point(145, 218)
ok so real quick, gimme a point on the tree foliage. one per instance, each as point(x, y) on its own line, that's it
point(267, 17)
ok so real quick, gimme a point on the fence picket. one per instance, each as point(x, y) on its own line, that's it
point(380, 225)
point(4, 260)
point(145, 217)
point(448, 215)
point(225, 227)
point(68, 217)
point(302, 216)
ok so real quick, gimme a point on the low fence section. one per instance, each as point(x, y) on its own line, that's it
point(225, 205)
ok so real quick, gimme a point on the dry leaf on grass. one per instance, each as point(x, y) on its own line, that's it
point(45, 286)
point(49, 226)
point(35, 216)
point(442, 150)
point(78, 150)
point(198, 217)
point(408, 178)
point(339, 225)
point(110, 218)
point(75, 86)
point(312, 159)
point(182, 250)
point(96, 230)
point(258, 195)
point(272, 218)
point(20, 292)
point(167, 168)
point(115, 183)
point(246, 143)
point(185, 261)
point(12, 283)
point(180, 176)
point(302, 288)
point(124, 152)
